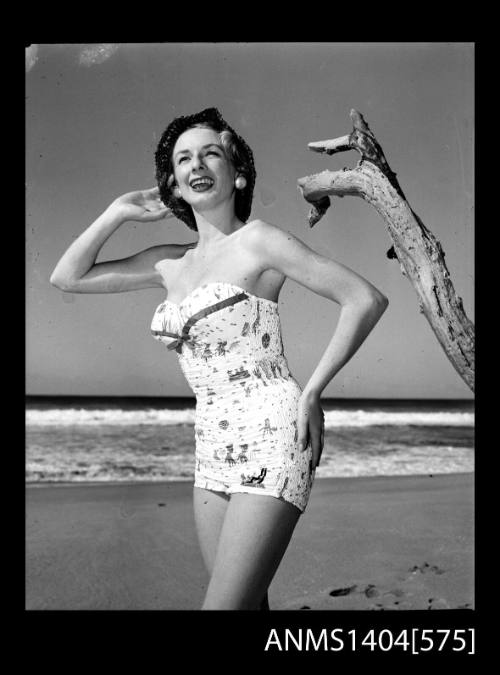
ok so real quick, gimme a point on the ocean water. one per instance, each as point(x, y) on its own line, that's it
point(113, 440)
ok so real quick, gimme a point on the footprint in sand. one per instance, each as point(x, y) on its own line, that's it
point(437, 570)
point(342, 591)
point(396, 592)
point(387, 598)
point(424, 568)
point(394, 599)
point(371, 591)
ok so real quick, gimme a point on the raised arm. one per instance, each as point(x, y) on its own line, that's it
point(361, 303)
point(77, 271)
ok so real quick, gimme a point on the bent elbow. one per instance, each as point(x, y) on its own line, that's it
point(382, 301)
point(60, 283)
point(375, 302)
point(55, 281)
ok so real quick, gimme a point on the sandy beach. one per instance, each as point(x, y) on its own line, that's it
point(403, 542)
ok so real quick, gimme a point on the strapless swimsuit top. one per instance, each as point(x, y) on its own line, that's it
point(221, 327)
point(172, 322)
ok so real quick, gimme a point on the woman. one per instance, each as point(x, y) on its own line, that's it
point(259, 436)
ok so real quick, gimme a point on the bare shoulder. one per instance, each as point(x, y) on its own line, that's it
point(280, 250)
point(262, 232)
point(271, 241)
point(259, 228)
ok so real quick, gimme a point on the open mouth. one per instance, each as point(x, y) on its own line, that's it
point(201, 184)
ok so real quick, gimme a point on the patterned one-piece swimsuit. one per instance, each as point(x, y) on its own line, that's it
point(230, 350)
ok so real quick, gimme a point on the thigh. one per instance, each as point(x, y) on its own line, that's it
point(253, 539)
point(209, 512)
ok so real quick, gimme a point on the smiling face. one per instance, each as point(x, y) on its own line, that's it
point(202, 170)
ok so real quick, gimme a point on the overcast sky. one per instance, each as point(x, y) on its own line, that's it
point(94, 114)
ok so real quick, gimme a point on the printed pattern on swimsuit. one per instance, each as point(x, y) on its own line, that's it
point(246, 398)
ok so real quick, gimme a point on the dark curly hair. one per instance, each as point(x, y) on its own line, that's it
point(237, 150)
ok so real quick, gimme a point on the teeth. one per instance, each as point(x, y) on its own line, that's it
point(201, 181)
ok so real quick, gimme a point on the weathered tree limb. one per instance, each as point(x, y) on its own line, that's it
point(419, 253)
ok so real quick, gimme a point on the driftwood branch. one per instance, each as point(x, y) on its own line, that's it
point(419, 253)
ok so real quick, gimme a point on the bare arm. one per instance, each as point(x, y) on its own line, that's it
point(77, 271)
point(361, 303)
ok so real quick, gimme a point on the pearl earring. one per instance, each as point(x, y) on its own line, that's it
point(240, 182)
point(177, 192)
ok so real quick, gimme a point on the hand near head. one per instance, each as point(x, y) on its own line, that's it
point(142, 205)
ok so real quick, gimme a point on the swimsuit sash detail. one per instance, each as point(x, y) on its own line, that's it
point(184, 336)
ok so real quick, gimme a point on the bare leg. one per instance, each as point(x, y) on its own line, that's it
point(209, 511)
point(253, 539)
